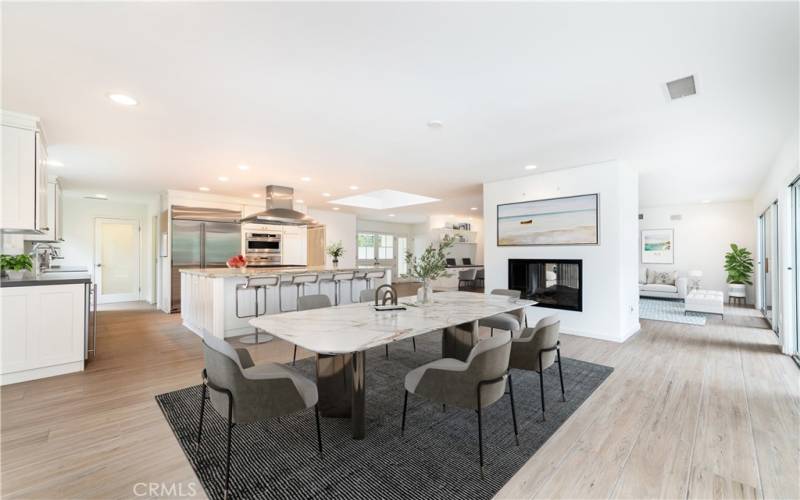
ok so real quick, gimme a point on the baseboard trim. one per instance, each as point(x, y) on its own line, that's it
point(37, 373)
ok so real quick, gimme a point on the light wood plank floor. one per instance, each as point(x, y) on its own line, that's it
point(700, 412)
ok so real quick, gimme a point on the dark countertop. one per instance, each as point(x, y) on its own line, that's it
point(453, 266)
point(47, 279)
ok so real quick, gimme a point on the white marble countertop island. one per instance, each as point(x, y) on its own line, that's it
point(209, 296)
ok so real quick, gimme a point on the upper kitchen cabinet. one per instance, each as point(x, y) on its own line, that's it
point(55, 214)
point(24, 174)
point(293, 246)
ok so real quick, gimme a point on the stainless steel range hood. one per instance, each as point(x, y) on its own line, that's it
point(280, 211)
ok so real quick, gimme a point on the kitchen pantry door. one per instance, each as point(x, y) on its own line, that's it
point(116, 259)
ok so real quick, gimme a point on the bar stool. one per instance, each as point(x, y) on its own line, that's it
point(298, 281)
point(368, 277)
point(256, 284)
point(336, 279)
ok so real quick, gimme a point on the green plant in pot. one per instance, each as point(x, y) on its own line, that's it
point(431, 265)
point(335, 250)
point(15, 265)
point(739, 266)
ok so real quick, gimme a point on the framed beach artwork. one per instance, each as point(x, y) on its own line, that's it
point(658, 246)
point(572, 220)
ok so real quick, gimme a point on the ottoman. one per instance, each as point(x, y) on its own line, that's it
point(705, 301)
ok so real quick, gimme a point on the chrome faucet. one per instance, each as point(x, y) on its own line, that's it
point(389, 295)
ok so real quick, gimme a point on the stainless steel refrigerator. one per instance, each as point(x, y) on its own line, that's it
point(202, 237)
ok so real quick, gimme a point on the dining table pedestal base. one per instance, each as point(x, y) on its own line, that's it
point(341, 383)
point(458, 340)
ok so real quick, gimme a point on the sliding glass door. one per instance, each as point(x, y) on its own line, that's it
point(795, 266)
point(769, 265)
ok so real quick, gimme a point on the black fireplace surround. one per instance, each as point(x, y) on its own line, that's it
point(554, 283)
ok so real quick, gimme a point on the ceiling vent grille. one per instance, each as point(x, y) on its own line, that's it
point(676, 217)
point(682, 87)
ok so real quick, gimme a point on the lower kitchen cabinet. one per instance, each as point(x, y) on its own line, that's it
point(43, 331)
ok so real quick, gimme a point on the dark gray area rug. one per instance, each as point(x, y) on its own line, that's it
point(437, 458)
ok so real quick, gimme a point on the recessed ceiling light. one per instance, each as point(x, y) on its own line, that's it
point(353, 188)
point(530, 167)
point(391, 215)
point(222, 178)
point(336, 208)
point(305, 179)
point(300, 201)
point(96, 197)
point(256, 195)
point(244, 167)
point(435, 124)
point(326, 195)
point(54, 163)
point(706, 201)
point(122, 99)
point(100, 196)
point(473, 208)
point(203, 188)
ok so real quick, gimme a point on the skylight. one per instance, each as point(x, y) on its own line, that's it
point(383, 199)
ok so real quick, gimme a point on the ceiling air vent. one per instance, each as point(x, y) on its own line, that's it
point(676, 217)
point(681, 87)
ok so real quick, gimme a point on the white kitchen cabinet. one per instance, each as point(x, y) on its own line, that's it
point(24, 175)
point(293, 246)
point(55, 215)
point(43, 331)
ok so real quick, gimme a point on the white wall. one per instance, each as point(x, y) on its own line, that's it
point(610, 290)
point(338, 227)
point(79, 223)
point(785, 168)
point(702, 237)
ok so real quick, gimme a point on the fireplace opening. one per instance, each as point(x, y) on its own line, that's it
point(554, 283)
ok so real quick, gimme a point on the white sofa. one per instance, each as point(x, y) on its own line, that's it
point(677, 291)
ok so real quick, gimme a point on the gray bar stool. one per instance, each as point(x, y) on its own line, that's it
point(298, 281)
point(256, 284)
point(337, 278)
point(368, 277)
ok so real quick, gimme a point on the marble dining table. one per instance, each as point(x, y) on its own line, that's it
point(341, 335)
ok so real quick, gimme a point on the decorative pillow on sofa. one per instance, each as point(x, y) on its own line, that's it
point(665, 278)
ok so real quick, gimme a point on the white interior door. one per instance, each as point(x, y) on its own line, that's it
point(116, 259)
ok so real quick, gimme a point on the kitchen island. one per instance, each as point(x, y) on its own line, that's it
point(208, 296)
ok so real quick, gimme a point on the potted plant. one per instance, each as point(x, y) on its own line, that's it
point(15, 265)
point(739, 266)
point(431, 265)
point(335, 250)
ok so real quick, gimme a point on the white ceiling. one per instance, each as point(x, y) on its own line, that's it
point(342, 93)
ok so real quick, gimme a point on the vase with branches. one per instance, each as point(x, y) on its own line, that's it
point(431, 265)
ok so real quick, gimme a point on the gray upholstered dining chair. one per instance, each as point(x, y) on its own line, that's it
point(537, 349)
point(467, 277)
point(511, 321)
point(306, 302)
point(476, 383)
point(368, 295)
point(244, 392)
